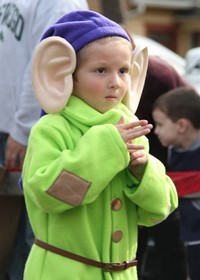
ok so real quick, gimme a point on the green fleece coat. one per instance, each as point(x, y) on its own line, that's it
point(75, 166)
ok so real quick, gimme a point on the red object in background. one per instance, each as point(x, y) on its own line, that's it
point(186, 182)
point(16, 169)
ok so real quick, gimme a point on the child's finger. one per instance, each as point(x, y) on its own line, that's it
point(137, 132)
point(138, 157)
point(132, 147)
point(121, 121)
point(134, 124)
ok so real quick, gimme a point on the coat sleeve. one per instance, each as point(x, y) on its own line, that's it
point(155, 196)
point(61, 174)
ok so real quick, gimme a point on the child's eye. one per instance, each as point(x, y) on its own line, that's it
point(123, 71)
point(101, 70)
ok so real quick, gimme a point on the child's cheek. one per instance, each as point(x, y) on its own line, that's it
point(97, 86)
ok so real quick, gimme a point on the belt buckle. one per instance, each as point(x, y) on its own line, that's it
point(109, 267)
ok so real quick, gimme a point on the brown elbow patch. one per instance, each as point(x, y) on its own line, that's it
point(69, 188)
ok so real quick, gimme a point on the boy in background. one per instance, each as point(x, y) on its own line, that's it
point(177, 118)
point(167, 259)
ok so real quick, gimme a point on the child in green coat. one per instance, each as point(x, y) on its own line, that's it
point(88, 178)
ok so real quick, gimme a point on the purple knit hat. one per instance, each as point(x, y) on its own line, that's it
point(80, 28)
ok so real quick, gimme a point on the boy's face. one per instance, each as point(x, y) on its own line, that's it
point(166, 130)
point(102, 77)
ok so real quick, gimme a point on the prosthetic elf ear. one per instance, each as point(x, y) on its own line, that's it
point(54, 62)
point(138, 76)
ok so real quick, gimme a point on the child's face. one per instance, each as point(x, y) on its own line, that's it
point(102, 77)
point(166, 130)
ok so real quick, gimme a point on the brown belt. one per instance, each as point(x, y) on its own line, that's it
point(108, 267)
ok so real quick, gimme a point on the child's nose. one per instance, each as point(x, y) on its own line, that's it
point(114, 81)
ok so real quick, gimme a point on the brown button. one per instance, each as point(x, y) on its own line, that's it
point(117, 235)
point(116, 204)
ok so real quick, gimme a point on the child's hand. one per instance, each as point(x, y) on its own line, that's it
point(138, 160)
point(133, 130)
point(138, 157)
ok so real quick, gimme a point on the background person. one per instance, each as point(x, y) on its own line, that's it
point(168, 253)
point(177, 118)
